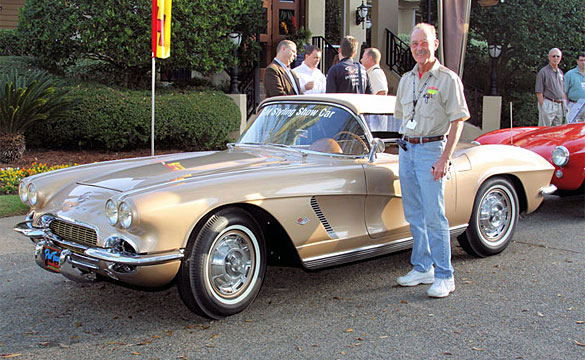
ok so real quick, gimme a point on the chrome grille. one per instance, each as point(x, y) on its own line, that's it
point(73, 232)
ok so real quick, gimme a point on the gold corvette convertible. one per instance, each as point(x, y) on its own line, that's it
point(313, 181)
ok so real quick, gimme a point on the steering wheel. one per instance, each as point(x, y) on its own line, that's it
point(353, 135)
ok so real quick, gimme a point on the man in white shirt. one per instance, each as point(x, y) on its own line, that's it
point(311, 78)
point(371, 61)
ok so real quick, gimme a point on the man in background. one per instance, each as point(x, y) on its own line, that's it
point(550, 91)
point(348, 76)
point(575, 86)
point(371, 61)
point(278, 78)
point(311, 78)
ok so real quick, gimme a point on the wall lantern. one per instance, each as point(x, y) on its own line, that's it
point(235, 38)
point(362, 14)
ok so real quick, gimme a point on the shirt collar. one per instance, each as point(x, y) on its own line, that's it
point(433, 71)
point(280, 63)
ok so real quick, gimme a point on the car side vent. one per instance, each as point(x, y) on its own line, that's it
point(322, 218)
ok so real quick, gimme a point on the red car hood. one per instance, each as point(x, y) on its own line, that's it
point(541, 140)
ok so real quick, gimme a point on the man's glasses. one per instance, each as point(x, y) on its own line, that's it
point(556, 56)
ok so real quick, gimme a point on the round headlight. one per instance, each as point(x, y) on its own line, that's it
point(22, 192)
point(32, 194)
point(560, 156)
point(111, 212)
point(125, 215)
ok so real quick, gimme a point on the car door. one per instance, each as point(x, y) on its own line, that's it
point(384, 215)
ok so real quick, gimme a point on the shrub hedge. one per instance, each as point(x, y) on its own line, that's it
point(9, 44)
point(117, 119)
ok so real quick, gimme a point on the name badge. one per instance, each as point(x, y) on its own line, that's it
point(411, 124)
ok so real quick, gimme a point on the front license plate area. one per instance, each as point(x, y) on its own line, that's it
point(51, 258)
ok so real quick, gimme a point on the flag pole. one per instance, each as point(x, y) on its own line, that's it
point(152, 120)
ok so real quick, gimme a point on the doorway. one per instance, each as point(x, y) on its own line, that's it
point(282, 18)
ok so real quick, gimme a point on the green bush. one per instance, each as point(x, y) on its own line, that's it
point(524, 109)
point(28, 99)
point(120, 119)
point(9, 44)
point(118, 32)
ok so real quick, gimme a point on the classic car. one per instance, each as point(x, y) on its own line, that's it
point(307, 184)
point(563, 146)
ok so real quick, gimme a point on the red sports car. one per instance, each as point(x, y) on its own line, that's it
point(563, 146)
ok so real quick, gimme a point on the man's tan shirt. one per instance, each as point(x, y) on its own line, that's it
point(439, 100)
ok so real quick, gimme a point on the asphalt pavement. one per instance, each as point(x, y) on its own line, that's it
point(525, 303)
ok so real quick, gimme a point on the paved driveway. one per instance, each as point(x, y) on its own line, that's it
point(526, 303)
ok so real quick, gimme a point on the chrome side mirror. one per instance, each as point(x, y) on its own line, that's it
point(377, 147)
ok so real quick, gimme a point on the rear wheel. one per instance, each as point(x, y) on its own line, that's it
point(224, 265)
point(493, 220)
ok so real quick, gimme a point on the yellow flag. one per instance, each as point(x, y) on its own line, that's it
point(161, 28)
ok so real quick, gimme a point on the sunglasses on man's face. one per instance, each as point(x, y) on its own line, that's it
point(556, 56)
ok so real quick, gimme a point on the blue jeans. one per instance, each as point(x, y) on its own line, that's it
point(424, 208)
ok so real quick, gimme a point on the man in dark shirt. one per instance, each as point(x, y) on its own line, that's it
point(348, 76)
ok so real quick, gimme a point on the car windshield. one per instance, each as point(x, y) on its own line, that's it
point(317, 127)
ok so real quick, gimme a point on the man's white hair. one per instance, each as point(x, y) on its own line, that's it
point(553, 50)
point(427, 28)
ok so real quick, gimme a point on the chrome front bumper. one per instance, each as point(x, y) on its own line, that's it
point(80, 263)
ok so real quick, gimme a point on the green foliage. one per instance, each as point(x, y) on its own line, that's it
point(524, 109)
point(120, 119)
point(300, 37)
point(527, 30)
point(28, 99)
point(118, 32)
point(9, 44)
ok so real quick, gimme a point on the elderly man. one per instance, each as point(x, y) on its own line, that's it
point(278, 78)
point(431, 103)
point(371, 61)
point(575, 86)
point(312, 79)
point(550, 91)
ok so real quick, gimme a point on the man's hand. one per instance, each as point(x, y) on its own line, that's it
point(309, 85)
point(440, 168)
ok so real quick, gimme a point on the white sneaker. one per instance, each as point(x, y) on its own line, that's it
point(441, 288)
point(416, 277)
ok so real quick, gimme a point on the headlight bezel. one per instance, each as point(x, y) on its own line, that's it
point(23, 192)
point(125, 215)
point(111, 212)
point(560, 156)
point(32, 194)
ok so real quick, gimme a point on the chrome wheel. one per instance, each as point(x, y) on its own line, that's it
point(224, 266)
point(231, 264)
point(493, 220)
point(495, 215)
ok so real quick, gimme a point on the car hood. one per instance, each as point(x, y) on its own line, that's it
point(134, 174)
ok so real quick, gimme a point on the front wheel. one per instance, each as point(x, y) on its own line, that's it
point(493, 220)
point(224, 265)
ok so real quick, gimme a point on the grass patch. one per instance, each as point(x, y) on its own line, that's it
point(10, 205)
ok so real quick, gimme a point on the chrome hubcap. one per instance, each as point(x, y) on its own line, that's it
point(231, 263)
point(495, 215)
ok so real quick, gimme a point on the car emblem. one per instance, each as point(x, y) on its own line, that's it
point(302, 220)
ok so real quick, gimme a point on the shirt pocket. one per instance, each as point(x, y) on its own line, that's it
point(430, 105)
point(407, 106)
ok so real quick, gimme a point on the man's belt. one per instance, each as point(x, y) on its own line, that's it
point(423, 139)
point(553, 100)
